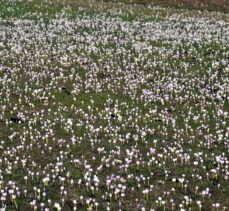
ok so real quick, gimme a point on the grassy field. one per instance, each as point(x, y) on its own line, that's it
point(222, 5)
point(110, 106)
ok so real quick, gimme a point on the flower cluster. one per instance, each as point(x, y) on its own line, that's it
point(109, 110)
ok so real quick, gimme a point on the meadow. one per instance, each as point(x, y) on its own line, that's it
point(111, 106)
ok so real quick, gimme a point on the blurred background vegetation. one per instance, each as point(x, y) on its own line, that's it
point(222, 5)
